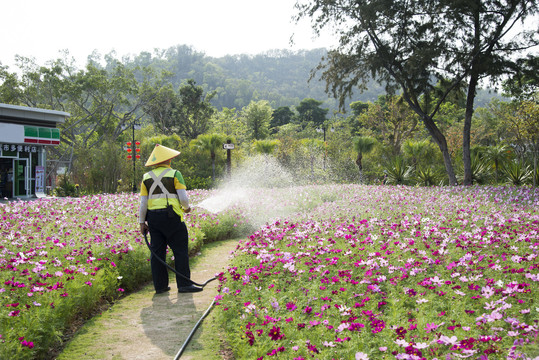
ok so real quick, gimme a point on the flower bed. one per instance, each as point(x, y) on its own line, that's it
point(61, 258)
point(390, 273)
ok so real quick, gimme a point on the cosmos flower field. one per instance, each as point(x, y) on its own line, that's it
point(61, 259)
point(324, 272)
point(389, 273)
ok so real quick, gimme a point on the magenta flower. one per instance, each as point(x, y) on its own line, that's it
point(275, 333)
point(291, 306)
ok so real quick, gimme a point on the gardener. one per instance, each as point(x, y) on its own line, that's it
point(163, 200)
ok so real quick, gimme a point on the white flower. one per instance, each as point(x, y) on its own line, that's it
point(401, 342)
point(361, 356)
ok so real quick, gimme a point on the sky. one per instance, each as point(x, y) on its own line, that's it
point(43, 28)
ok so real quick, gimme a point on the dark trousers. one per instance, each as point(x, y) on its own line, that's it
point(172, 232)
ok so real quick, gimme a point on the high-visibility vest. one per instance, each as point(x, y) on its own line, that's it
point(161, 190)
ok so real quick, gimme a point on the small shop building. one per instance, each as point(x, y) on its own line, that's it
point(25, 133)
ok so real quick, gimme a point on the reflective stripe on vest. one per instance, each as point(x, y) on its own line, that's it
point(165, 196)
point(157, 182)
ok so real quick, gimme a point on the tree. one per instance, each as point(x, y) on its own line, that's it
point(257, 116)
point(391, 120)
point(210, 143)
point(228, 122)
point(162, 106)
point(525, 126)
point(411, 46)
point(362, 145)
point(195, 109)
point(309, 111)
point(281, 116)
point(415, 149)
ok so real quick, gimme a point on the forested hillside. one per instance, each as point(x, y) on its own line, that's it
point(279, 76)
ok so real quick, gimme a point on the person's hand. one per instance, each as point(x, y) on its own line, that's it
point(144, 228)
point(187, 211)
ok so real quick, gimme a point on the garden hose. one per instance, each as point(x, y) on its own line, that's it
point(174, 270)
point(179, 354)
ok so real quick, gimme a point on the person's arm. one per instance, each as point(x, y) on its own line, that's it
point(143, 209)
point(184, 200)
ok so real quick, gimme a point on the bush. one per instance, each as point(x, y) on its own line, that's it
point(516, 174)
point(65, 187)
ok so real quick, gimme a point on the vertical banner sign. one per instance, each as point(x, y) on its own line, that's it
point(40, 179)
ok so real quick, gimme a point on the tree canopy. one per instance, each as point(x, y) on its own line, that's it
point(412, 46)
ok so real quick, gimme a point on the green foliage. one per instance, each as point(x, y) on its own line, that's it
point(195, 109)
point(65, 187)
point(209, 143)
point(265, 146)
point(257, 116)
point(377, 38)
point(197, 182)
point(398, 173)
point(309, 111)
point(516, 174)
point(281, 116)
point(228, 225)
point(480, 170)
point(428, 176)
point(497, 155)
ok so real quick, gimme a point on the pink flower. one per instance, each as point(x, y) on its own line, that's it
point(431, 327)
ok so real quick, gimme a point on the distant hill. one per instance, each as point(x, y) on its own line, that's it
point(278, 76)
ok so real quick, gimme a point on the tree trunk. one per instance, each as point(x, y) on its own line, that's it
point(436, 135)
point(440, 140)
point(466, 131)
point(360, 166)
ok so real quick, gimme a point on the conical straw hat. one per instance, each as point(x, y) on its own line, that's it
point(161, 153)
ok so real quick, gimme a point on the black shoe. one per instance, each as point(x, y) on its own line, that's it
point(160, 291)
point(189, 289)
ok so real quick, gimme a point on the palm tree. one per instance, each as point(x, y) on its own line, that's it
point(209, 142)
point(498, 155)
point(363, 145)
point(415, 150)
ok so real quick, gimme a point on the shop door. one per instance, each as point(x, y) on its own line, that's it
point(21, 177)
